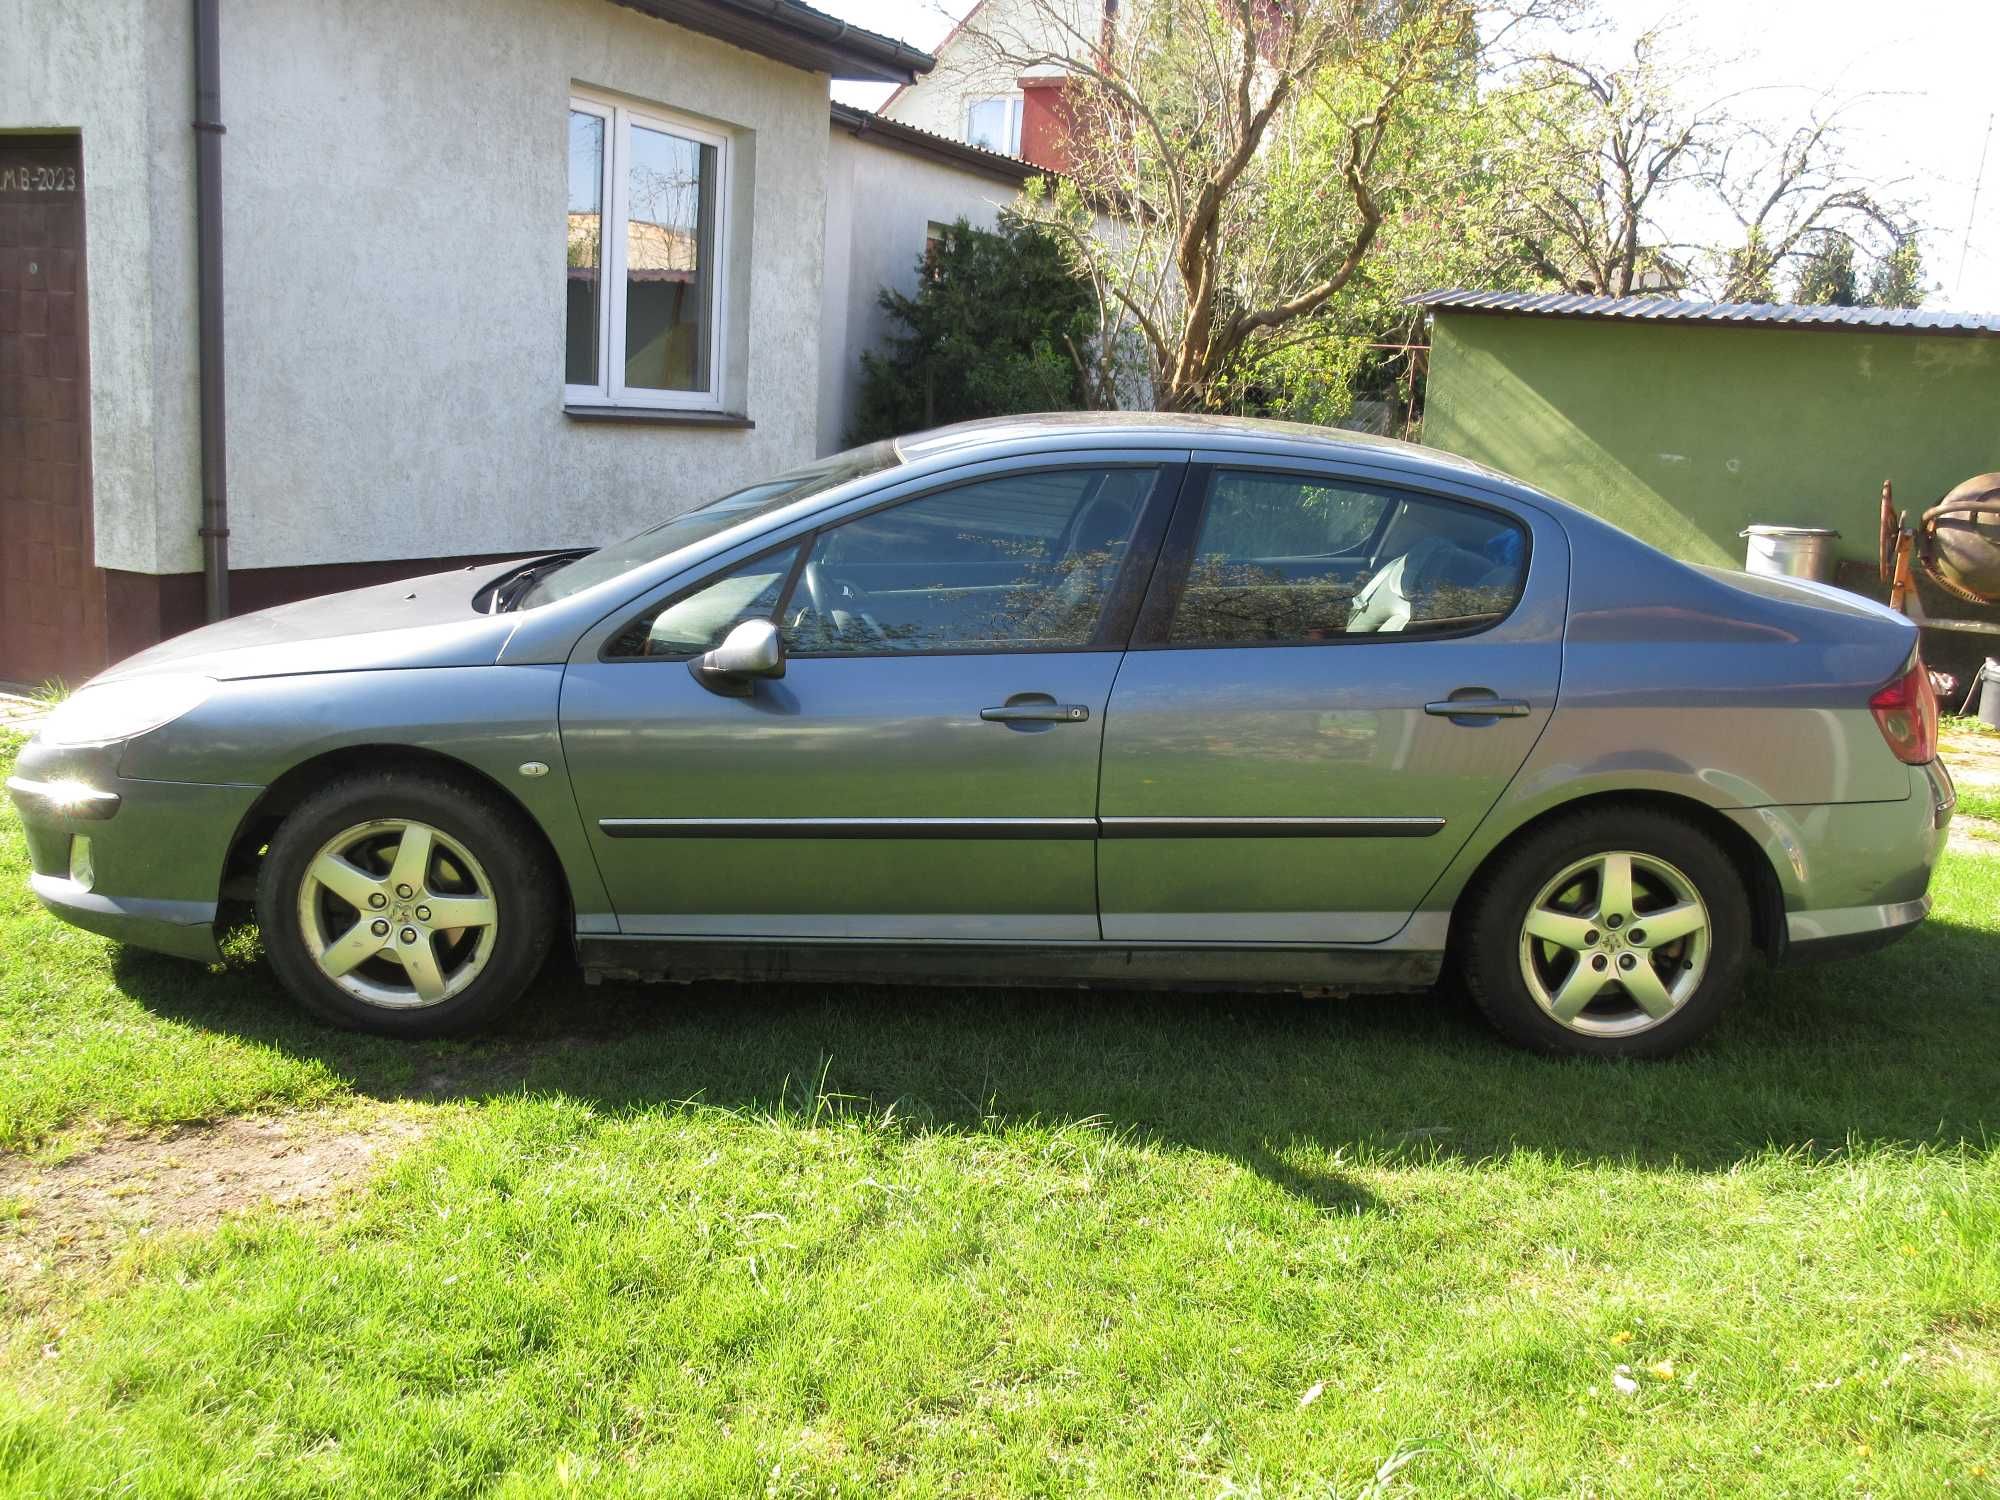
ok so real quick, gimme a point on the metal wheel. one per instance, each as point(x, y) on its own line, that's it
point(397, 913)
point(1615, 944)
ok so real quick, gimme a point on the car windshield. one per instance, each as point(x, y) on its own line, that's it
point(706, 520)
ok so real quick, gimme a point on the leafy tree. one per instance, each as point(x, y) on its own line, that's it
point(1898, 277)
point(1827, 277)
point(999, 325)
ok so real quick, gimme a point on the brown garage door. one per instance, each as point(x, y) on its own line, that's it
point(51, 617)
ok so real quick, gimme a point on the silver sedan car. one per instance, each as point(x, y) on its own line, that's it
point(1111, 699)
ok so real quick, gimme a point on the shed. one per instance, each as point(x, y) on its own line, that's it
point(1683, 422)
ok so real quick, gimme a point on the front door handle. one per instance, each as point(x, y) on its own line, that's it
point(1037, 713)
point(1480, 708)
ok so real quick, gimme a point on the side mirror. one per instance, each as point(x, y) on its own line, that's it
point(752, 650)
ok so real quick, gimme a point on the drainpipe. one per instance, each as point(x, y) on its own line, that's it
point(208, 260)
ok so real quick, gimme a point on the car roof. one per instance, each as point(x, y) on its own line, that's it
point(1197, 430)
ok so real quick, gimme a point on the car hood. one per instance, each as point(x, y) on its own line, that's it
point(415, 622)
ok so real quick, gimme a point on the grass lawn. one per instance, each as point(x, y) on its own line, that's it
point(722, 1241)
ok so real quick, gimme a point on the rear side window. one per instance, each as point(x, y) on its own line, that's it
point(1282, 559)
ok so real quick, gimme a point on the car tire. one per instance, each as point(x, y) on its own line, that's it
point(406, 904)
point(1558, 957)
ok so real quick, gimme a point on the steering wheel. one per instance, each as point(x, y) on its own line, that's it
point(825, 594)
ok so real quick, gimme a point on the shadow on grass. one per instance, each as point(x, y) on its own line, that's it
point(1899, 1049)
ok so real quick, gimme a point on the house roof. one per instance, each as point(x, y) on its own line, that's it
point(1737, 314)
point(865, 125)
point(796, 33)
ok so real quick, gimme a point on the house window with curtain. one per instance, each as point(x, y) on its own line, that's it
point(995, 124)
point(647, 248)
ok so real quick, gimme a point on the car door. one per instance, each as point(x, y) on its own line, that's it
point(927, 765)
point(1285, 756)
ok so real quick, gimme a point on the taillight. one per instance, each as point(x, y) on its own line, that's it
point(1908, 713)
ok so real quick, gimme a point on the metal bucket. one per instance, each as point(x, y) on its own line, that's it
point(1989, 693)
point(1791, 551)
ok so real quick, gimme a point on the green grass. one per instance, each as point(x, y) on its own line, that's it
point(812, 1242)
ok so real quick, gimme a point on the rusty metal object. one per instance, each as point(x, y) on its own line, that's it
point(1887, 537)
point(1959, 541)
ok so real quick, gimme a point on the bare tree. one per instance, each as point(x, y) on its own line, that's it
point(1788, 193)
point(1622, 152)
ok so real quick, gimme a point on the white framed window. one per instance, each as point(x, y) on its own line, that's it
point(994, 124)
point(648, 243)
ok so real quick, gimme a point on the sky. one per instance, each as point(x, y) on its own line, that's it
point(1925, 68)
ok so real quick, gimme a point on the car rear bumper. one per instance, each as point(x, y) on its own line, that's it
point(1842, 932)
point(1855, 876)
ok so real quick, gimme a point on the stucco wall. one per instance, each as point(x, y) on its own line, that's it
point(1683, 435)
point(395, 224)
point(880, 204)
point(120, 72)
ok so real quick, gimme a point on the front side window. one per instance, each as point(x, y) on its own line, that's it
point(646, 248)
point(995, 124)
point(700, 620)
point(1281, 559)
point(1021, 562)
point(711, 519)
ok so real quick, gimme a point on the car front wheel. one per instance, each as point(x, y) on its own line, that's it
point(1617, 932)
point(404, 904)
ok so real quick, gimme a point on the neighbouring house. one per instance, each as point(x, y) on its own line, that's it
point(891, 190)
point(493, 278)
point(976, 95)
point(1685, 422)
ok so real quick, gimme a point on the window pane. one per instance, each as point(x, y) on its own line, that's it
point(699, 621)
point(994, 124)
point(586, 247)
point(1286, 559)
point(704, 521)
point(669, 261)
point(1023, 561)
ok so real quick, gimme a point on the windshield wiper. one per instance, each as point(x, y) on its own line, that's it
point(509, 592)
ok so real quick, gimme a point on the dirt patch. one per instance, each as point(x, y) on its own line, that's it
point(1974, 835)
point(89, 1207)
point(1974, 758)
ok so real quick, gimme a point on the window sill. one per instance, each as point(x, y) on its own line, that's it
point(666, 416)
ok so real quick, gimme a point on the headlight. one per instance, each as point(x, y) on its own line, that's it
point(119, 710)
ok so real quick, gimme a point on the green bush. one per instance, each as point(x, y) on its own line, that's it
point(995, 328)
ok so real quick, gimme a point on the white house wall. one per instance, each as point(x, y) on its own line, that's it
point(394, 196)
point(121, 72)
point(395, 193)
point(880, 204)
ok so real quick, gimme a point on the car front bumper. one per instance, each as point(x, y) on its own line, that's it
point(138, 861)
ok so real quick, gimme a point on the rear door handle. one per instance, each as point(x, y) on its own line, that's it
point(1037, 713)
point(1480, 708)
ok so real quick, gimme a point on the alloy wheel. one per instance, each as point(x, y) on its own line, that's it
point(397, 913)
point(1615, 943)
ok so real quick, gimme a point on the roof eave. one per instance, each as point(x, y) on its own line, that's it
point(895, 135)
point(797, 34)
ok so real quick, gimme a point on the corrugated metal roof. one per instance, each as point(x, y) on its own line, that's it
point(870, 125)
point(1742, 314)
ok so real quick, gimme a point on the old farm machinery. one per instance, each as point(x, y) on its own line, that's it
point(1955, 545)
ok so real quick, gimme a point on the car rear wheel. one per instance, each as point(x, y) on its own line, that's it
point(404, 904)
point(1618, 932)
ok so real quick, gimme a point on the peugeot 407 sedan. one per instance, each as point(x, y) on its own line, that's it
point(1109, 699)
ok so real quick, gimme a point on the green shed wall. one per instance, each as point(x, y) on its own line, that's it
point(1685, 434)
